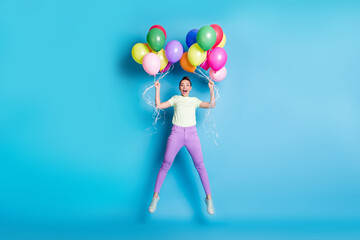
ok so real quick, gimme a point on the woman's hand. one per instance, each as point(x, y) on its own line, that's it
point(211, 84)
point(157, 85)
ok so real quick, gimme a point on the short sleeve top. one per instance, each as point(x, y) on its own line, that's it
point(184, 110)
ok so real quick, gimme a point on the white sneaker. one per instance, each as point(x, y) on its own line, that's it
point(153, 203)
point(210, 206)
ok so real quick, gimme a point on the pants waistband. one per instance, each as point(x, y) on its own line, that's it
point(184, 128)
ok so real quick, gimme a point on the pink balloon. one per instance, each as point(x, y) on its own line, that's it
point(218, 76)
point(205, 65)
point(151, 63)
point(166, 68)
point(217, 58)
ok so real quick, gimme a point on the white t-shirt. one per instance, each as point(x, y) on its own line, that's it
point(184, 110)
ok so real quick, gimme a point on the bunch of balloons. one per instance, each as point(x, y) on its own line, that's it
point(152, 55)
point(206, 50)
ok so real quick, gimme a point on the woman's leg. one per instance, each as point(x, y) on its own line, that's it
point(174, 143)
point(192, 143)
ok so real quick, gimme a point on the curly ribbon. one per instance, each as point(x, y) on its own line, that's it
point(208, 125)
point(148, 100)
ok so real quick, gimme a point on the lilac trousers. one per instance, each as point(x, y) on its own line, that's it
point(179, 137)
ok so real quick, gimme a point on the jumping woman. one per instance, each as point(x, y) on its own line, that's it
point(183, 133)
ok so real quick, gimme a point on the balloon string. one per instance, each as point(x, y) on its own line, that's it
point(156, 115)
point(209, 125)
point(148, 100)
point(216, 88)
point(163, 74)
point(199, 75)
point(203, 74)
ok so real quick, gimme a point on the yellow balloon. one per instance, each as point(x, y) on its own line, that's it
point(163, 59)
point(196, 55)
point(138, 52)
point(223, 41)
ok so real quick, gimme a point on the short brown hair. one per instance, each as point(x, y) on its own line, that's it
point(185, 78)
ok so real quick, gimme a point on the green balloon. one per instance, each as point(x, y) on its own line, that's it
point(206, 37)
point(156, 39)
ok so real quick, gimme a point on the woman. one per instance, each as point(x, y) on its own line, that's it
point(183, 133)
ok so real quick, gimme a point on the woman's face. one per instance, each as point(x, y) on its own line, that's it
point(185, 88)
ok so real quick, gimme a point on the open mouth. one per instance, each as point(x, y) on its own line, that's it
point(185, 91)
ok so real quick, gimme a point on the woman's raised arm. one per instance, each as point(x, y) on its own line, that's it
point(210, 104)
point(158, 103)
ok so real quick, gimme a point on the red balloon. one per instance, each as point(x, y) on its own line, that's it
point(219, 34)
point(163, 29)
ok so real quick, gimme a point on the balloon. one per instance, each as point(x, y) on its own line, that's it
point(191, 37)
point(163, 59)
point(185, 64)
point(159, 27)
point(219, 34)
point(223, 41)
point(218, 76)
point(206, 37)
point(138, 52)
point(217, 58)
point(166, 68)
point(174, 51)
point(156, 39)
point(196, 55)
point(205, 65)
point(151, 63)
point(148, 47)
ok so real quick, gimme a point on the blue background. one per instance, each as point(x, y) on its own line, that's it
point(78, 163)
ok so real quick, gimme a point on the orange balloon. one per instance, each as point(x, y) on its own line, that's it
point(185, 63)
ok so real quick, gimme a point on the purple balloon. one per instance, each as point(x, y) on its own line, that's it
point(174, 51)
point(217, 58)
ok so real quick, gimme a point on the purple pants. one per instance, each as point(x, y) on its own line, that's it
point(179, 137)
